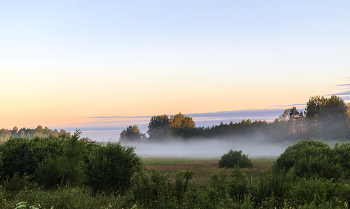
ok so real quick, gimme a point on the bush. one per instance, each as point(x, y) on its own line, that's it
point(310, 159)
point(22, 156)
point(66, 167)
point(238, 185)
point(233, 158)
point(181, 183)
point(17, 183)
point(151, 189)
point(111, 167)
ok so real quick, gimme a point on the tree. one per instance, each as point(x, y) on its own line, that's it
point(314, 106)
point(55, 133)
point(14, 131)
point(181, 125)
point(312, 114)
point(132, 133)
point(47, 131)
point(158, 127)
point(334, 118)
point(22, 133)
point(39, 131)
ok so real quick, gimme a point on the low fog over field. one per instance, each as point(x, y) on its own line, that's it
point(204, 148)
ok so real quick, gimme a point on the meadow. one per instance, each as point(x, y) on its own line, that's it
point(204, 167)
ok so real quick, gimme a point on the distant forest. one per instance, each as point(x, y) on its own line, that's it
point(323, 118)
point(39, 131)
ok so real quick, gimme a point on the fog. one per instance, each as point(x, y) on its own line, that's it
point(205, 148)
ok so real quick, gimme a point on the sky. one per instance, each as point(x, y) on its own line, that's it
point(103, 65)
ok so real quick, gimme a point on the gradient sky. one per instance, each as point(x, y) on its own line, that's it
point(64, 63)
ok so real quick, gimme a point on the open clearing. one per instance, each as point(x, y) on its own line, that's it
point(203, 168)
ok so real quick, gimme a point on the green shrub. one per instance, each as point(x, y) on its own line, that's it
point(310, 159)
point(342, 156)
point(70, 164)
point(22, 156)
point(111, 167)
point(273, 186)
point(66, 167)
point(238, 185)
point(233, 158)
point(151, 189)
point(48, 173)
point(17, 183)
point(318, 191)
point(181, 183)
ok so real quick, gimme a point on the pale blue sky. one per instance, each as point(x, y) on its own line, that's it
point(70, 60)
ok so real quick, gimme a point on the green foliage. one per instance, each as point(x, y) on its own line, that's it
point(17, 183)
point(181, 183)
point(233, 158)
point(158, 127)
point(218, 185)
point(132, 133)
point(310, 159)
point(238, 185)
point(48, 173)
point(111, 167)
point(181, 125)
point(151, 189)
point(24, 155)
point(70, 163)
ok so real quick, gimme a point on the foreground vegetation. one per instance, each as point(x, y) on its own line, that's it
point(72, 172)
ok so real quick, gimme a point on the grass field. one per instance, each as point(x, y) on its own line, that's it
point(204, 167)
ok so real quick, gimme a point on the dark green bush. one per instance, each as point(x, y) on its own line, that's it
point(342, 156)
point(111, 167)
point(48, 173)
point(181, 183)
point(233, 158)
point(238, 185)
point(310, 159)
point(305, 191)
point(22, 156)
point(66, 167)
point(151, 189)
point(17, 183)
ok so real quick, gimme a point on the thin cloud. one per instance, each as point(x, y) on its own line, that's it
point(290, 105)
point(345, 84)
point(344, 93)
point(140, 116)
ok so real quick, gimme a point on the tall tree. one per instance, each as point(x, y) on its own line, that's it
point(14, 131)
point(312, 113)
point(158, 127)
point(181, 125)
point(47, 131)
point(132, 133)
point(334, 118)
point(39, 131)
point(314, 106)
point(55, 133)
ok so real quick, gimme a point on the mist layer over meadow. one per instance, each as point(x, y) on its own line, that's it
point(205, 148)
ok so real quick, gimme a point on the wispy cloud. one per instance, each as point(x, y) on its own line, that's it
point(140, 116)
point(345, 95)
point(344, 85)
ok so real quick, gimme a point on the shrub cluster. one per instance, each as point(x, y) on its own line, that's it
point(65, 160)
point(312, 159)
point(235, 158)
point(106, 169)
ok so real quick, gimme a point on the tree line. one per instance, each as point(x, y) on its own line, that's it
point(323, 118)
point(39, 131)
